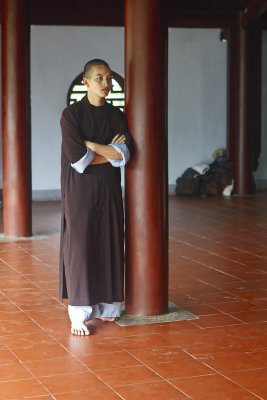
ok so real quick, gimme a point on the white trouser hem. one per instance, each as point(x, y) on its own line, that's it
point(100, 310)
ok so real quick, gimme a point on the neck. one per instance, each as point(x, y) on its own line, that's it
point(95, 100)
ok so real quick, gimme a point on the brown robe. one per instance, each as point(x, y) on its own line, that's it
point(92, 229)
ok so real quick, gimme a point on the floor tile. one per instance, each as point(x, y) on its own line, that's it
point(250, 295)
point(7, 306)
point(31, 267)
point(216, 297)
point(201, 386)
point(75, 382)
point(141, 341)
point(181, 368)
point(207, 321)
point(16, 327)
point(202, 341)
point(158, 354)
point(259, 355)
point(127, 375)
point(236, 395)
point(249, 379)
point(234, 362)
point(53, 326)
point(260, 391)
point(48, 397)
point(17, 389)
point(87, 346)
point(28, 296)
point(39, 304)
point(203, 309)
point(13, 316)
point(100, 394)
point(251, 316)
point(13, 372)
point(234, 306)
point(151, 391)
point(55, 366)
point(116, 359)
point(56, 312)
point(18, 282)
point(29, 348)
point(6, 356)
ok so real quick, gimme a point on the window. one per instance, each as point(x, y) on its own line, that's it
point(116, 96)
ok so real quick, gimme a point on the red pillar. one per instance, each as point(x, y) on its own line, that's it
point(243, 161)
point(146, 174)
point(16, 138)
point(244, 105)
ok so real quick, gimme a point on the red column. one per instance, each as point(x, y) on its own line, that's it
point(16, 138)
point(244, 104)
point(243, 160)
point(146, 174)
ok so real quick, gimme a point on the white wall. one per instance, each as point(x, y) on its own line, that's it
point(197, 97)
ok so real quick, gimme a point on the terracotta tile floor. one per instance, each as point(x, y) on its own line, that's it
point(218, 271)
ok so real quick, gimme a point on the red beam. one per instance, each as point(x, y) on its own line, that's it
point(253, 12)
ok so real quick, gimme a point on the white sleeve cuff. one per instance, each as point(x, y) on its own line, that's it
point(80, 165)
point(123, 150)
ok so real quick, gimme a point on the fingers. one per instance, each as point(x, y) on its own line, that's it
point(114, 139)
point(118, 139)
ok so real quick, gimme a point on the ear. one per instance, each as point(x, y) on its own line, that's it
point(86, 82)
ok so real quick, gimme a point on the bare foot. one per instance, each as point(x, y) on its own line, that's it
point(80, 329)
point(111, 319)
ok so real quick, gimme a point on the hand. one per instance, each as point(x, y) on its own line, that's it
point(119, 139)
point(89, 145)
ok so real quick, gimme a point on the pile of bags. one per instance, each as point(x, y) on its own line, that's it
point(207, 179)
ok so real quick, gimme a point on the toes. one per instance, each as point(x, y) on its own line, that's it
point(80, 330)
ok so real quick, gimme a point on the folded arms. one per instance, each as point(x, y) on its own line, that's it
point(116, 153)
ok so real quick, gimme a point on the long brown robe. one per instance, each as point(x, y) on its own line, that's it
point(92, 229)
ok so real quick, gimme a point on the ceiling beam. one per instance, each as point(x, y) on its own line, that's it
point(253, 12)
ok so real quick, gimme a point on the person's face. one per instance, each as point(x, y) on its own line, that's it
point(99, 81)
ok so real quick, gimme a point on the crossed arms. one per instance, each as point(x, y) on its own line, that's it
point(116, 153)
point(105, 152)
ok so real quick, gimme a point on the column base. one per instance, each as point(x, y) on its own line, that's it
point(175, 313)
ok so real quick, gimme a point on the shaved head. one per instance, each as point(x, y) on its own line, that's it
point(88, 66)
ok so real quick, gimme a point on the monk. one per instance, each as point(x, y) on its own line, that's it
point(96, 142)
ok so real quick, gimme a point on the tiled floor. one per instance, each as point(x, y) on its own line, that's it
point(218, 271)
